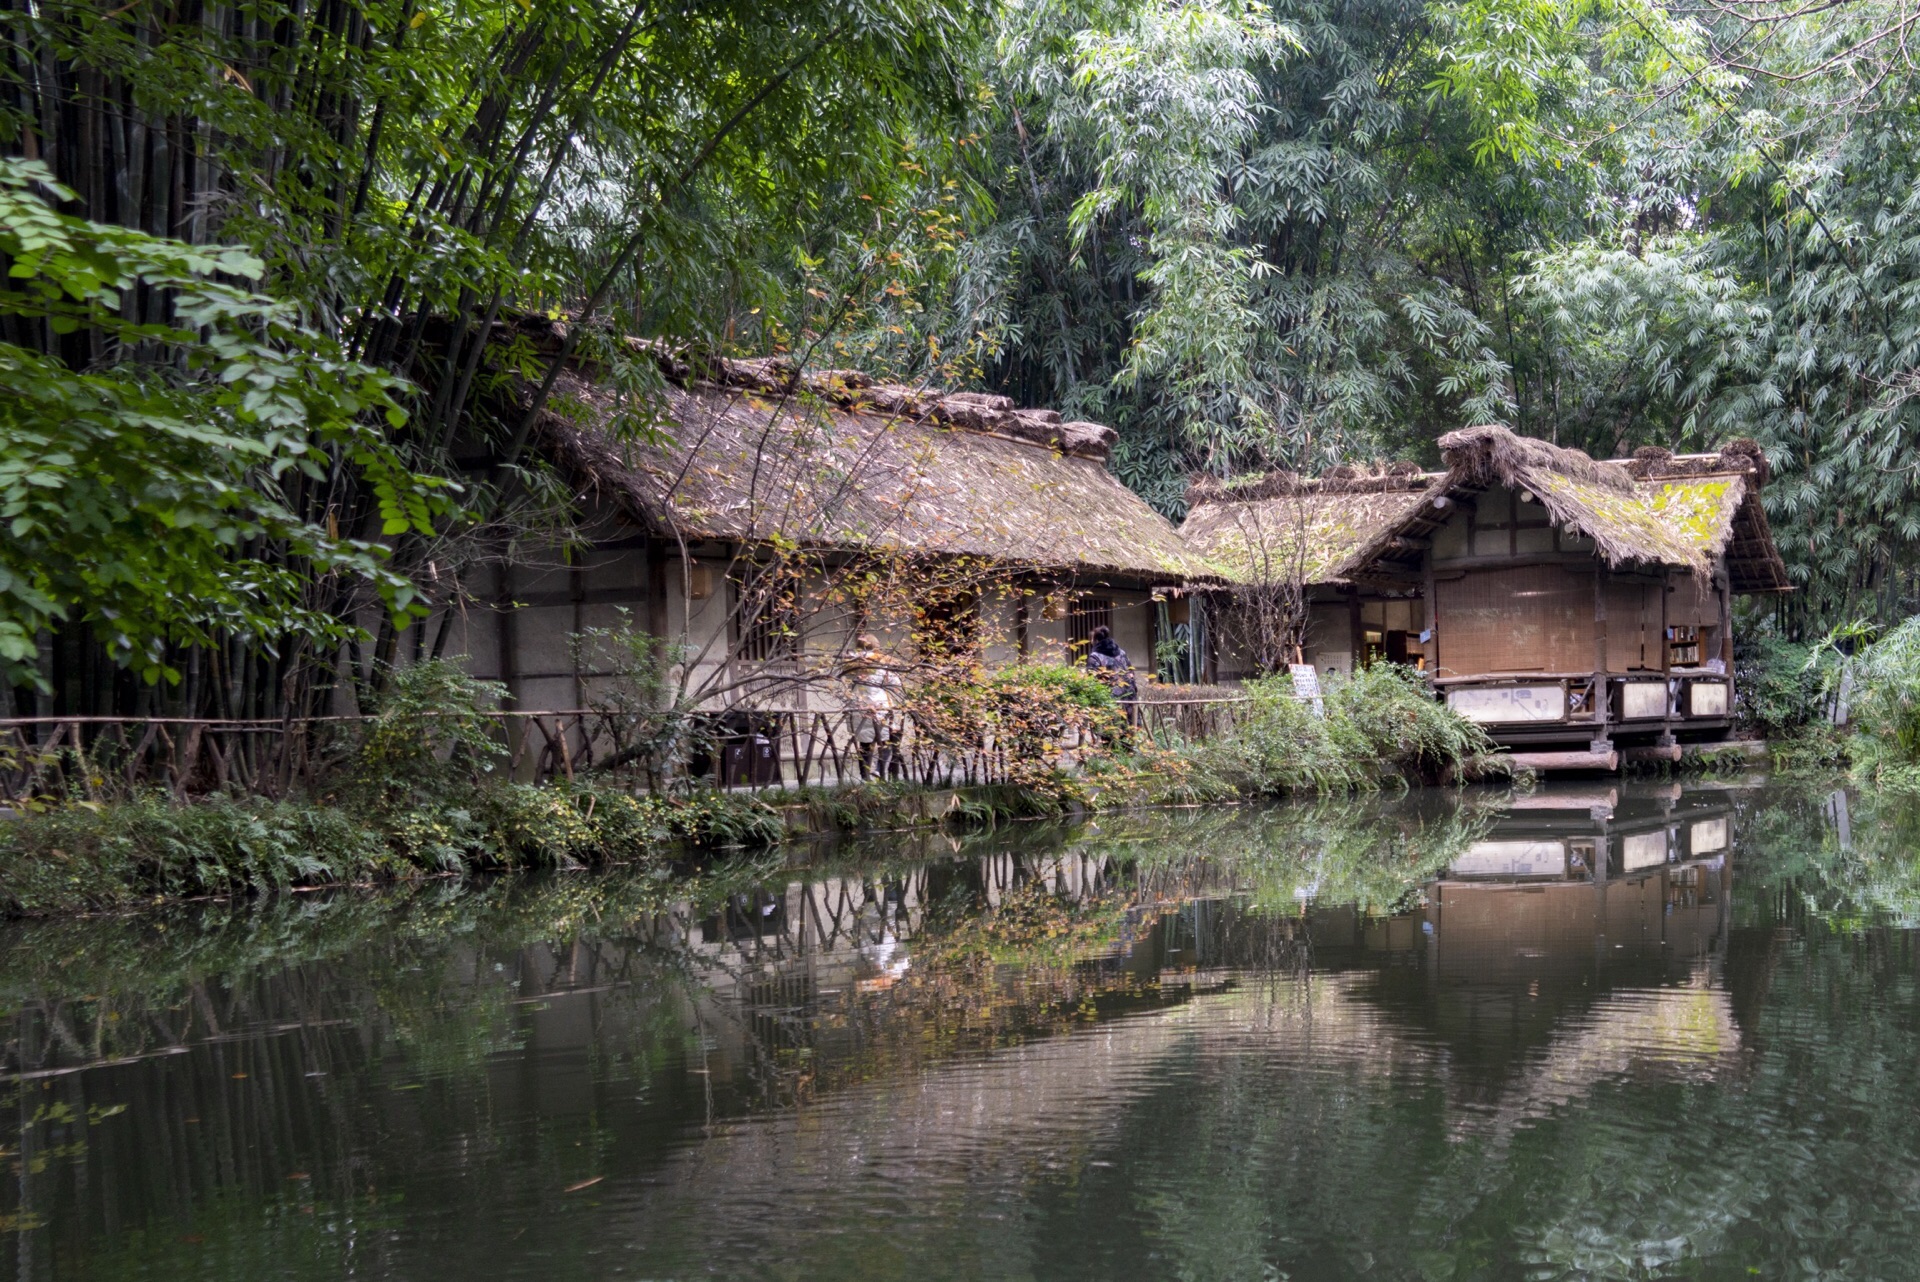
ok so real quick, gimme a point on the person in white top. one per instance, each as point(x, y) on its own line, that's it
point(876, 688)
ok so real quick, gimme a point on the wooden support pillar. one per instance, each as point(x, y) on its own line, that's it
point(1430, 611)
point(577, 597)
point(1724, 590)
point(506, 635)
point(1356, 632)
point(1599, 654)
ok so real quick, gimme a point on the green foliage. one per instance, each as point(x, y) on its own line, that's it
point(1785, 686)
point(1028, 713)
point(88, 857)
point(1392, 710)
point(137, 492)
point(1381, 725)
point(634, 703)
point(429, 735)
point(190, 464)
point(1886, 707)
point(1061, 687)
point(1245, 235)
point(78, 858)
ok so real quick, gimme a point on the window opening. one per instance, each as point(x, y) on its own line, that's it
point(1083, 616)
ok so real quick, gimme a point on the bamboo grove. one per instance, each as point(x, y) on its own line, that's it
point(262, 413)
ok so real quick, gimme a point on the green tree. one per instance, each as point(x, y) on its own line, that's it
point(140, 494)
point(414, 177)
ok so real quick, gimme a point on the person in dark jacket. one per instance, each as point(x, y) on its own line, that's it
point(1106, 660)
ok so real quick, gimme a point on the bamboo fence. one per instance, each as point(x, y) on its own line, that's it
point(103, 758)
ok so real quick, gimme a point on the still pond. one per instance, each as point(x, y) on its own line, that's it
point(1607, 1032)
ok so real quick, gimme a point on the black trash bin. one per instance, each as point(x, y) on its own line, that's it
point(746, 751)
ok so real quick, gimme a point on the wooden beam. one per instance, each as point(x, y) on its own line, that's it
point(1608, 760)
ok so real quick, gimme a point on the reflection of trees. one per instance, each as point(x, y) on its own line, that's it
point(1846, 861)
point(482, 1048)
point(1371, 853)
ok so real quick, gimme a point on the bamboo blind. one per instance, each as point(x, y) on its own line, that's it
point(1695, 603)
point(1634, 638)
point(1533, 618)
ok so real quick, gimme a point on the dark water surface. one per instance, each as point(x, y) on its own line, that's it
point(1599, 1032)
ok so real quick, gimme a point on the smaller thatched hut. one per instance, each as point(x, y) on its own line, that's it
point(1283, 535)
point(1572, 605)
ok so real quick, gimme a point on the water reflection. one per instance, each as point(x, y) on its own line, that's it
point(1314, 1041)
point(1581, 936)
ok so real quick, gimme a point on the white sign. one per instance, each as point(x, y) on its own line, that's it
point(1707, 699)
point(1640, 700)
point(1306, 686)
point(1707, 836)
point(1644, 850)
point(1508, 703)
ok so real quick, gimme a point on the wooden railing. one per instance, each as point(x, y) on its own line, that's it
point(97, 758)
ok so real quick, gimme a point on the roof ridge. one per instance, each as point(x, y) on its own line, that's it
point(1489, 453)
point(1741, 456)
point(1399, 477)
point(859, 392)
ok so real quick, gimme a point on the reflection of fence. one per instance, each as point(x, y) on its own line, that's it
point(91, 758)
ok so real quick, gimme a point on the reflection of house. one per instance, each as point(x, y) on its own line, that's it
point(1563, 902)
point(761, 517)
point(1560, 601)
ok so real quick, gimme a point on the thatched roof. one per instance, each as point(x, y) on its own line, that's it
point(757, 451)
point(1272, 528)
point(1654, 509)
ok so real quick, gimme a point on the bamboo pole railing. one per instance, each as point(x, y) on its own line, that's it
point(93, 758)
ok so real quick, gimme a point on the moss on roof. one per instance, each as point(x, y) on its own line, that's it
point(739, 462)
point(1699, 510)
point(1655, 509)
point(1308, 536)
point(1624, 526)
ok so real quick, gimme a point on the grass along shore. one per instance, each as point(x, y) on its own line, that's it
point(422, 797)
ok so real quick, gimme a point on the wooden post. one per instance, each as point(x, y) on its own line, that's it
point(1724, 590)
point(577, 596)
point(1666, 613)
point(506, 634)
point(1356, 643)
point(1430, 608)
point(1599, 651)
point(1666, 650)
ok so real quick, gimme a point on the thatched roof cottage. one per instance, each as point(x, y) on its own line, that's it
point(758, 518)
point(1566, 602)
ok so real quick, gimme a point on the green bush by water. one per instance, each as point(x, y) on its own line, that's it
point(1381, 725)
point(1791, 691)
point(86, 858)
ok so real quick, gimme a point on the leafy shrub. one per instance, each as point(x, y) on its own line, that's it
point(1784, 686)
point(1380, 724)
point(1024, 712)
point(1886, 694)
point(635, 704)
point(86, 857)
point(1281, 746)
point(83, 857)
point(429, 736)
point(1403, 726)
